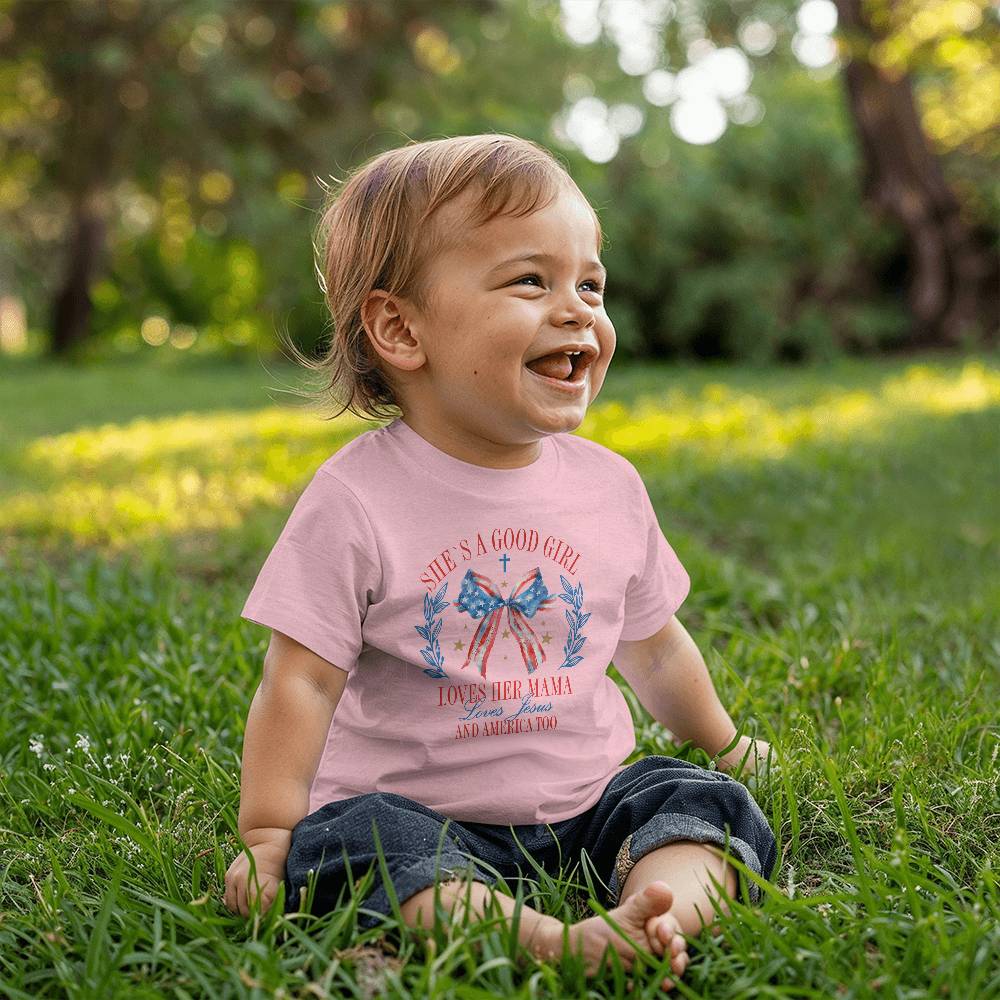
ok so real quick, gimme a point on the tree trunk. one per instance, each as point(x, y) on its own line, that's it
point(954, 288)
point(72, 306)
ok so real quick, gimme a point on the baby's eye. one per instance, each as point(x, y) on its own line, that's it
point(598, 287)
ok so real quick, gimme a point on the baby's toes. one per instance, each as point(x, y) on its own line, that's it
point(679, 963)
point(656, 943)
point(668, 930)
point(678, 945)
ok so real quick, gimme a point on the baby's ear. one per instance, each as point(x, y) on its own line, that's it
point(393, 336)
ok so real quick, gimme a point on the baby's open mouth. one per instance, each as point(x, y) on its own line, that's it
point(564, 365)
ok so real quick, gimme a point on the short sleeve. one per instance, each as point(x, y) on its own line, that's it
point(321, 575)
point(660, 583)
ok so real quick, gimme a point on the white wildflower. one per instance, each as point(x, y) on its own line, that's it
point(83, 742)
point(37, 747)
point(790, 891)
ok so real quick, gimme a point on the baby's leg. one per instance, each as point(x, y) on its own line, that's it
point(533, 931)
point(684, 865)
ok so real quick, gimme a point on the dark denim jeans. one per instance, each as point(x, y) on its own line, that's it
point(652, 802)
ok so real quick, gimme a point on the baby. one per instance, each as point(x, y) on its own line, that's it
point(451, 587)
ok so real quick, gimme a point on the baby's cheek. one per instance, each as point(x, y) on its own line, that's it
point(597, 379)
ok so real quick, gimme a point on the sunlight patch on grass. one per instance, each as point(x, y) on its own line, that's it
point(122, 484)
point(118, 485)
point(727, 424)
point(209, 438)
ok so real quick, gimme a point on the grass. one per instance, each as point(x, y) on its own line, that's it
point(840, 528)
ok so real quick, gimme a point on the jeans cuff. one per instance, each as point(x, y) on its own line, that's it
point(665, 828)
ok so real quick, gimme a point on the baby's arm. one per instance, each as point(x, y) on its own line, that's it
point(286, 731)
point(670, 678)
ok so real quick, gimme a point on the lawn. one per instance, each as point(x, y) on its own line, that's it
point(840, 526)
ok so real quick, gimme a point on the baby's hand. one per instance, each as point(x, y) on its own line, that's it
point(756, 753)
point(270, 850)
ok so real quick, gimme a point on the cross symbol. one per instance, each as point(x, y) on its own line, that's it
point(504, 559)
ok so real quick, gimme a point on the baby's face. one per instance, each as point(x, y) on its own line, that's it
point(493, 312)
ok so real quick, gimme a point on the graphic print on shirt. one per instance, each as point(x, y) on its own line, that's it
point(479, 703)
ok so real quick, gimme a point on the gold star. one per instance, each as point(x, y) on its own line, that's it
point(506, 633)
point(459, 644)
point(546, 637)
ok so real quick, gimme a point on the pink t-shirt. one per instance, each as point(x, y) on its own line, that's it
point(476, 611)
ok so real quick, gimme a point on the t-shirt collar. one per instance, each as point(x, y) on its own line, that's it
point(480, 479)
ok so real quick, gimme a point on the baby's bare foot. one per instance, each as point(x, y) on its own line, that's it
point(663, 931)
point(643, 918)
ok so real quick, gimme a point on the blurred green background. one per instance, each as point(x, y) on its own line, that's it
point(778, 180)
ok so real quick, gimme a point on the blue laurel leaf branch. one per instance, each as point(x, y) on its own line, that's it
point(430, 630)
point(576, 619)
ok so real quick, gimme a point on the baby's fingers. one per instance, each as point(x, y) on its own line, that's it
point(268, 891)
point(229, 897)
point(257, 891)
point(242, 898)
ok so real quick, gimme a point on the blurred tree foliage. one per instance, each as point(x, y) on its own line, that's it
point(756, 246)
point(158, 176)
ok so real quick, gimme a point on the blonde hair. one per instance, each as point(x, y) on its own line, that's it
point(376, 231)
